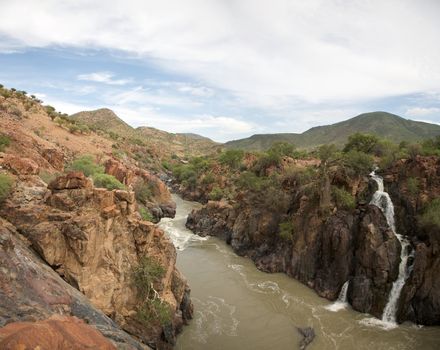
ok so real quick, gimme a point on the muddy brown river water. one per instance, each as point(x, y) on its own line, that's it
point(239, 307)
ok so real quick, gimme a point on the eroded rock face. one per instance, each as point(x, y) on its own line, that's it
point(57, 332)
point(327, 249)
point(54, 157)
point(161, 204)
point(30, 291)
point(93, 238)
point(20, 166)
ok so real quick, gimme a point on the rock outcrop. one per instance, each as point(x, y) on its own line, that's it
point(30, 291)
point(93, 238)
point(331, 246)
point(160, 202)
point(57, 332)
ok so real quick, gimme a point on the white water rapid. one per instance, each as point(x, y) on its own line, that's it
point(382, 200)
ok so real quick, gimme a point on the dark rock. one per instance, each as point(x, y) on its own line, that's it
point(308, 334)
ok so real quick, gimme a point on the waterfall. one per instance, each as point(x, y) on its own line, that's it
point(342, 298)
point(341, 302)
point(382, 200)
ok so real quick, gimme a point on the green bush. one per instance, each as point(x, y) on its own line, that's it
point(285, 230)
point(343, 198)
point(6, 183)
point(216, 194)
point(249, 181)
point(107, 181)
point(143, 192)
point(431, 214)
point(282, 149)
point(413, 186)
point(208, 179)
point(154, 310)
point(232, 158)
point(87, 165)
point(361, 143)
point(359, 162)
point(145, 274)
point(145, 214)
point(5, 141)
point(48, 177)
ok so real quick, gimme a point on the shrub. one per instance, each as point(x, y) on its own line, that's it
point(142, 192)
point(6, 183)
point(343, 199)
point(359, 162)
point(154, 310)
point(48, 177)
point(73, 128)
point(216, 194)
point(145, 274)
point(285, 230)
point(232, 158)
point(282, 149)
point(14, 110)
point(5, 141)
point(265, 161)
point(327, 152)
point(107, 181)
point(208, 179)
point(145, 214)
point(431, 214)
point(413, 185)
point(87, 165)
point(248, 180)
point(361, 143)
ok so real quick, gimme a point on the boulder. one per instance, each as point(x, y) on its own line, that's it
point(57, 333)
point(73, 180)
point(54, 157)
point(20, 166)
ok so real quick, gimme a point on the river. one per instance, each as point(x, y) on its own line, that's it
point(238, 307)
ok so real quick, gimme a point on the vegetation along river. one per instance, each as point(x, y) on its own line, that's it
point(240, 307)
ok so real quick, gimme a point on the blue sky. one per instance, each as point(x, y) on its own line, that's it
point(226, 69)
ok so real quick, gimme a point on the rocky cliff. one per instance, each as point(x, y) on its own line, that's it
point(94, 238)
point(328, 245)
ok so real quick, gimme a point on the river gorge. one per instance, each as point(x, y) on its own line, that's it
point(236, 306)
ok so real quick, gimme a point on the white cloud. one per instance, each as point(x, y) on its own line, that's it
point(266, 53)
point(200, 91)
point(421, 111)
point(103, 77)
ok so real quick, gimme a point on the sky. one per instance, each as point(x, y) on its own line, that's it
point(226, 69)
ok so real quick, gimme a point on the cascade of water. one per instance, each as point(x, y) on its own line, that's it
point(342, 298)
point(382, 200)
point(341, 302)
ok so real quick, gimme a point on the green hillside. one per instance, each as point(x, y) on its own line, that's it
point(182, 145)
point(382, 124)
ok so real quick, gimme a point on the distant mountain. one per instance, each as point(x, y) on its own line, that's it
point(182, 145)
point(382, 124)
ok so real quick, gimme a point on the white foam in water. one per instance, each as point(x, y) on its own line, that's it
point(377, 323)
point(382, 200)
point(181, 238)
point(341, 303)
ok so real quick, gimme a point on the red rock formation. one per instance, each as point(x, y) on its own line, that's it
point(20, 166)
point(55, 333)
point(94, 238)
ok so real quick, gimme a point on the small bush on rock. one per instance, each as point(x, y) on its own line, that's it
point(431, 214)
point(5, 141)
point(107, 181)
point(5, 186)
point(87, 165)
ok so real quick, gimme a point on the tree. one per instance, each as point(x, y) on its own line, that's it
point(361, 143)
point(232, 158)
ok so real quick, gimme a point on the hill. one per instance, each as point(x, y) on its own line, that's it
point(382, 124)
point(165, 143)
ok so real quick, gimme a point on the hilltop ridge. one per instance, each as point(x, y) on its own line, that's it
point(382, 124)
